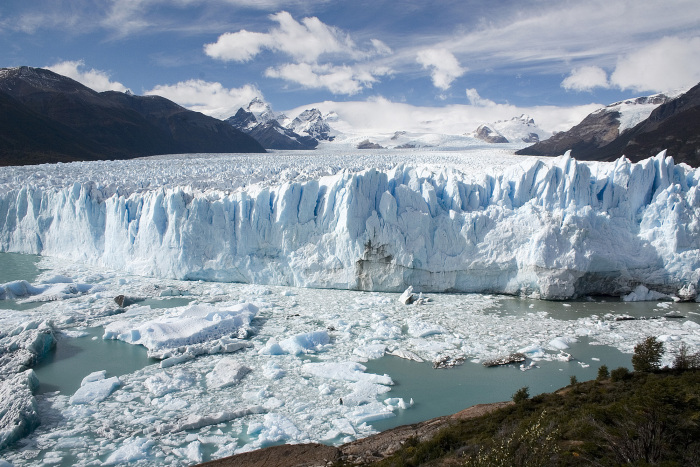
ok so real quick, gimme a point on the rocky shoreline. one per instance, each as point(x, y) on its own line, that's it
point(362, 451)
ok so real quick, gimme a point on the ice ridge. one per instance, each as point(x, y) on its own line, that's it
point(555, 228)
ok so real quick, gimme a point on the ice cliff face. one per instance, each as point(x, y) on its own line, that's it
point(557, 229)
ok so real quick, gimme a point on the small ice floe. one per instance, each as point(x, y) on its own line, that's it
point(524, 367)
point(674, 314)
point(407, 296)
point(227, 372)
point(132, 450)
point(406, 354)
point(370, 352)
point(418, 328)
point(399, 403)
point(95, 388)
point(563, 356)
point(345, 371)
point(273, 371)
point(195, 421)
point(196, 324)
point(584, 365)
point(55, 288)
point(533, 351)
point(561, 343)
point(687, 293)
point(307, 342)
point(163, 383)
point(643, 294)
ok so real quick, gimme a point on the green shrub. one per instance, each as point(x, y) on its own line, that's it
point(647, 355)
point(619, 374)
point(603, 373)
point(686, 361)
point(521, 395)
point(534, 445)
point(573, 380)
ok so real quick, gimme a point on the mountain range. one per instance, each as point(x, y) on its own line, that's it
point(280, 132)
point(47, 117)
point(636, 128)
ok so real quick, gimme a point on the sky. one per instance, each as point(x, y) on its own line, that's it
point(378, 63)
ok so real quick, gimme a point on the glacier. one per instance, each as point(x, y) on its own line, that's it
point(548, 228)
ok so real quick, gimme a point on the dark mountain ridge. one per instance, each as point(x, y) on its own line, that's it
point(674, 125)
point(50, 118)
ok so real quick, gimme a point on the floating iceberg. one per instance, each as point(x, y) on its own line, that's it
point(95, 388)
point(194, 325)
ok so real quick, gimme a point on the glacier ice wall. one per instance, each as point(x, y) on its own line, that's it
point(555, 229)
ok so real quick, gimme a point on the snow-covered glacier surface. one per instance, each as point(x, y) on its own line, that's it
point(477, 221)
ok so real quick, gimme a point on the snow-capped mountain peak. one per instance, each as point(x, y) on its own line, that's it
point(633, 111)
point(520, 129)
point(261, 109)
point(311, 122)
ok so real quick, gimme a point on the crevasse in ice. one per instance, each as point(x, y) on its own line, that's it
point(554, 228)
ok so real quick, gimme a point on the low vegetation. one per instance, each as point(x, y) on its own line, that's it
point(647, 417)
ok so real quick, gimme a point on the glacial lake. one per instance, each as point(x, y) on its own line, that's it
point(498, 322)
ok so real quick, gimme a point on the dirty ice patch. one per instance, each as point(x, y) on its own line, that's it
point(196, 324)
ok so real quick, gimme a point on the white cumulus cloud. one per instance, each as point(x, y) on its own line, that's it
point(667, 64)
point(313, 47)
point(444, 67)
point(337, 79)
point(586, 78)
point(210, 98)
point(94, 79)
point(477, 101)
point(304, 41)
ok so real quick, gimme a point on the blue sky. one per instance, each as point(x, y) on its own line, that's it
point(215, 55)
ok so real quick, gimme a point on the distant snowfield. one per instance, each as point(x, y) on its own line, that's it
point(478, 220)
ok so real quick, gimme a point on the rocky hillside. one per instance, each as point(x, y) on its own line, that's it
point(609, 133)
point(47, 117)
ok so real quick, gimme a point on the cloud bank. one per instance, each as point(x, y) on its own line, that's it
point(670, 63)
point(94, 79)
point(210, 98)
